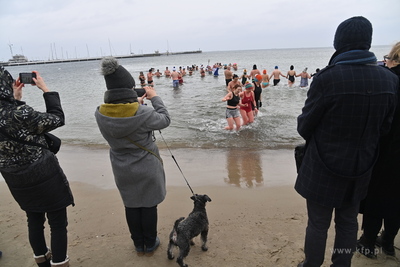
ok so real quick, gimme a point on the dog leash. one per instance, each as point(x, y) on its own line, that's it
point(176, 163)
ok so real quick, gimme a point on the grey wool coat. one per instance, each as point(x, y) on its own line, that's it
point(139, 175)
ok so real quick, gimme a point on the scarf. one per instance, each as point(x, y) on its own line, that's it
point(353, 57)
point(396, 70)
point(119, 110)
point(120, 95)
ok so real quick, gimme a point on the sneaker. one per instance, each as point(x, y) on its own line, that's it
point(387, 248)
point(150, 251)
point(366, 250)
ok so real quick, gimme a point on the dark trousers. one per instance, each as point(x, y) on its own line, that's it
point(346, 227)
point(371, 226)
point(58, 228)
point(142, 223)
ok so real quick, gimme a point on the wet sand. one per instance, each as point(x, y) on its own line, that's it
point(256, 217)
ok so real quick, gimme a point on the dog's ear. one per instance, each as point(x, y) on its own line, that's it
point(207, 198)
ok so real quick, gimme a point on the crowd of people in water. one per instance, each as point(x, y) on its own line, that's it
point(177, 74)
point(243, 93)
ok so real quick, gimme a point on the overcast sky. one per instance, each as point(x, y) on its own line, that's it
point(42, 29)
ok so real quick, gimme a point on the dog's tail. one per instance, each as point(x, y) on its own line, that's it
point(178, 221)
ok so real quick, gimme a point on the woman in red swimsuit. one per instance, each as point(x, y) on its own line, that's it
point(247, 101)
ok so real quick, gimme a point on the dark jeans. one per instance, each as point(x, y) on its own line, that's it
point(142, 223)
point(371, 226)
point(346, 227)
point(58, 228)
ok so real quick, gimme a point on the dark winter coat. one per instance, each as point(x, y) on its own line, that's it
point(348, 108)
point(31, 172)
point(383, 198)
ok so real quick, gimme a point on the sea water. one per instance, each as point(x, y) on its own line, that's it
point(197, 112)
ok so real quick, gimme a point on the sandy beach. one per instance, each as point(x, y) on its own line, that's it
point(256, 217)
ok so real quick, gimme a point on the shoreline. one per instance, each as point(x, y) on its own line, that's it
point(201, 167)
point(259, 225)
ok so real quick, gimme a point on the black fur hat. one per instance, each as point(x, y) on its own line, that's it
point(353, 33)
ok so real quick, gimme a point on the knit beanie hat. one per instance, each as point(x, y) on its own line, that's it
point(248, 85)
point(115, 75)
point(353, 33)
point(119, 82)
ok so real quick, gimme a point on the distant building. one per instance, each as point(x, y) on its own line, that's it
point(18, 59)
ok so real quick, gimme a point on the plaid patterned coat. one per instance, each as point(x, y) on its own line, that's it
point(348, 108)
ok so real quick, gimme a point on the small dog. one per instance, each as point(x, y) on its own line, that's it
point(186, 229)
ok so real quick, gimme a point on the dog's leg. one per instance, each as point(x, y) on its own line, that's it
point(173, 238)
point(184, 248)
point(171, 244)
point(204, 235)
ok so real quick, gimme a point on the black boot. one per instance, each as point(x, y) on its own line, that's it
point(366, 247)
point(386, 243)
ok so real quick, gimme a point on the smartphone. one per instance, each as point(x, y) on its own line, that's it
point(26, 77)
point(140, 92)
